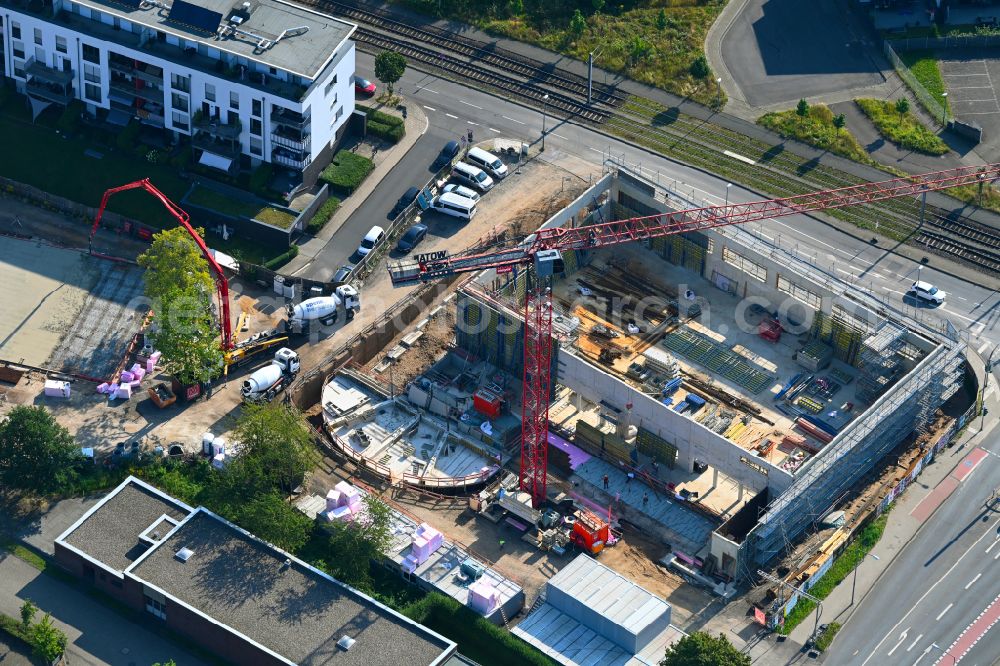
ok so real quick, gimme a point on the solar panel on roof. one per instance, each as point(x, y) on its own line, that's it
point(131, 4)
point(194, 16)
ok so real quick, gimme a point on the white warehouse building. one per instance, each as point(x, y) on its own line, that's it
point(247, 82)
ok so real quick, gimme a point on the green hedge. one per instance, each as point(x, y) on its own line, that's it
point(282, 258)
point(905, 130)
point(347, 171)
point(384, 125)
point(323, 215)
point(477, 638)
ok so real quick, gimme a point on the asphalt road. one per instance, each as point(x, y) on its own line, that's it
point(453, 108)
point(938, 586)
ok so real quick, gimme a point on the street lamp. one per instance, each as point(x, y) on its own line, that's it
point(854, 583)
point(944, 107)
point(718, 91)
point(545, 101)
point(728, 185)
point(986, 383)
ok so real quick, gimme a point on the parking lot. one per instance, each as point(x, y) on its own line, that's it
point(971, 77)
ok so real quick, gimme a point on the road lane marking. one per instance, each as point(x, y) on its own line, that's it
point(902, 637)
point(914, 643)
point(941, 614)
point(494, 129)
point(519, 122)
point(471, 123)
point(558, 135)
point(431, 91)
point(469, 104)
point(969, 584)
point(429, 108)
point(451, 116)
point(997, 556)
point(922, 654)
point(595, 150)
point(924, 596)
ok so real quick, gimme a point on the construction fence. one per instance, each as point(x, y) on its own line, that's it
point(937, 107)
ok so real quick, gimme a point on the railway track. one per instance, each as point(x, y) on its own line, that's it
point(507, 61)
point(690, 140)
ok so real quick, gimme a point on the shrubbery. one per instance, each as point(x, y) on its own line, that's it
point(323, 215)
point(347, 171)
point(282, 259)
point(384, 125)
point(260, 179)
point(903, 129)
point(69, 120)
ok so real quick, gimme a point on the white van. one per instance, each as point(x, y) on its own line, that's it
point(452, 204)
point(487, 161)
point(371, 239)
point(472, 176)
point(462, 191)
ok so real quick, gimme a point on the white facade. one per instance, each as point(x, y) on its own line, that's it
point(191, 84)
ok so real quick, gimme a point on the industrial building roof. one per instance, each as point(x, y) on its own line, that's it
point(594, 615)
point(281, 603)
point(304, 53)
point(110, 531)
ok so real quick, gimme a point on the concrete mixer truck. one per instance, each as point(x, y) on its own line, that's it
point(323, 309)
point(272, 379)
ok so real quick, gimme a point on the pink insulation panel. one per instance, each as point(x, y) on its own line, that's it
point(483, 597)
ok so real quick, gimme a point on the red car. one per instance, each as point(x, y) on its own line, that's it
point(363, 86)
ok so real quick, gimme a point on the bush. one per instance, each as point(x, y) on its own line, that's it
point(127, 137)
point(282, 259)
point(69, 121)
point(323, 215)
point(903, 129)
point(261, 178)
point(699, 68)
point(391, 133)
point(477, 638)
point(347, 171)
point(826, 636)
point(817, 129)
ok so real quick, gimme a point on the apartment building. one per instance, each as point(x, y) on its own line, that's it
point(244, 81)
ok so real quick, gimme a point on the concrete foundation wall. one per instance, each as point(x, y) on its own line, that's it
point(692, 439)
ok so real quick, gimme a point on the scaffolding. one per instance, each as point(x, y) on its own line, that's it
point(881, 364)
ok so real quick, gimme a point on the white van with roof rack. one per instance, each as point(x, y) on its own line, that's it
point(489, 162)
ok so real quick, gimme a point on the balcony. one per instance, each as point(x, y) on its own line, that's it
point(215, 127)
point(225, 147)
point(134, 89)
point(50, 92)
point(290, 118)
point(288, 158)
point(136, 68)
point(38, 71)
point(298, 141)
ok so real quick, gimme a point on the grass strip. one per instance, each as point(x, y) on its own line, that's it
point(845, 564)
point(903, 129)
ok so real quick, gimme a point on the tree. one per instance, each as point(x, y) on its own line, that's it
point(598, 5)
point(28, 610)
point(661, 20)
point(178, 282)
point(354, 545)
point(277, 450)
point(638, 50)
point(47, 642)
point(578, 23)
point(36, 453)
point(902, 106)
point(699, 68)
point(516, 7)
point(839, 121)
point(701, 649)
point(389, 68)
point(802, 108)
point(274, 520)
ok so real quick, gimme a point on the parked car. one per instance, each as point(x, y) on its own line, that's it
point(925, 291)
point(446, 155)
point(342, 274)
point(462, 191)
point(363, 86)
point(412, 238)
point(452, 204)
point(488, 162)
point(371, 239)
point(403, 202)
point(472, 176)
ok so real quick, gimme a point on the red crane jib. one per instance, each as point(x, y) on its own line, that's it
point(221, 283)
point(538, 304)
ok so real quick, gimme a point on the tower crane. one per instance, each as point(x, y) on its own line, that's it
point(233, 353)
point(543, 250)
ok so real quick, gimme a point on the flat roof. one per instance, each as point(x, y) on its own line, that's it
point(280, 602)
point(109, 532)
point(303, 53)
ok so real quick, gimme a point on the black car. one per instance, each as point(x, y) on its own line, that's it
point(412, 238)
point(403, 202)
point(447, 155)
point(342, 274)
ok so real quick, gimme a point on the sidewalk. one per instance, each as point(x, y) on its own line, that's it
point(416, 124)
point(934, 484)
point(670, 100)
